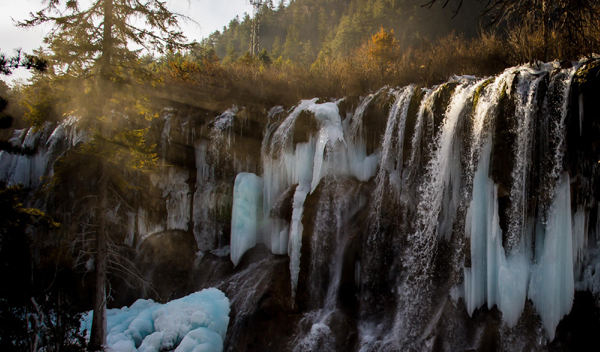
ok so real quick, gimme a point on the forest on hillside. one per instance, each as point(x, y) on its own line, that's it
point(307, 30)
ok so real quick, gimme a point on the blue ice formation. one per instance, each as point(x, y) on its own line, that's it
point(195, 323)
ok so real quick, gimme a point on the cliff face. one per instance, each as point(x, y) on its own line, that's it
point(462, 216)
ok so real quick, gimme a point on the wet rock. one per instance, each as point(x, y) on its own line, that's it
point(259, 290)
point(283, 207)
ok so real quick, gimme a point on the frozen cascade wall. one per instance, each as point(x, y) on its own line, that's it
point(507, 281)
point(442, 174)
point(220, 152)
point(326, 153)
point(36, 151)
point(177, 195)
point(505, 278)
point(474, 194)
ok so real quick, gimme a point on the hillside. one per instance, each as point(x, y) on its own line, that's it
point(305, 30)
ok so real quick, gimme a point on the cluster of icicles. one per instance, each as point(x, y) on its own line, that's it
point(36, 149)
point(505, 277)
point(434, 168)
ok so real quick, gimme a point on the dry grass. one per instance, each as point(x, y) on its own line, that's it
point(285, 83)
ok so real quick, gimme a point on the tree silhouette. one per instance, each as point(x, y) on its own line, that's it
point(90, 44)
point(9, 64)
point(575, 22)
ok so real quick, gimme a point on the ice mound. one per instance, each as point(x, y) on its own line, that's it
point(195, 323)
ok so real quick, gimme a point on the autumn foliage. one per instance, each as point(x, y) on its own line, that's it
point(383, 50)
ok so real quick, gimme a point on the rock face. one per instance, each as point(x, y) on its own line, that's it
point(461, 217)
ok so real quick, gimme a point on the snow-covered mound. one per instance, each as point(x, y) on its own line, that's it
point(195, 323)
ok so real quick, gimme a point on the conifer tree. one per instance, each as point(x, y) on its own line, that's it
point(90, 44)
point(8, 64)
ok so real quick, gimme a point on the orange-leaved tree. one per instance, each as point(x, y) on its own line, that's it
point(383, 50)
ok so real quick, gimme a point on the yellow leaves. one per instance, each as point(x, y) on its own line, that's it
point(383, 46)
point(14, 214)
point(181, 69)
point(125, 150)
point(142, 109)
point(384, 38)
point(133, 151)
point(382, 50)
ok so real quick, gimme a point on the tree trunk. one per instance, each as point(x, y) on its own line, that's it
point(98, 333)
point(105, 59)
point(545, 28)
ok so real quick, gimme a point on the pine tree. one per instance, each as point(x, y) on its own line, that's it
point(8, 64)
point(90, 51)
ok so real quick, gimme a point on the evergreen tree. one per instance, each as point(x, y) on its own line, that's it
point(276, 49)
point(342, 26)
point(90, 50)
point(8, 64)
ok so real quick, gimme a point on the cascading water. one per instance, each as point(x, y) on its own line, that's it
point(390, 170)
point(458, 217)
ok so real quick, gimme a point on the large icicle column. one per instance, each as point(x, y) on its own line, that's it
point(492, 277)
point(552, 284)
point(247, 200)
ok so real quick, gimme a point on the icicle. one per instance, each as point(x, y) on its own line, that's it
point(552, 284)
point(331, 131)
point(295, 243)
point(131, 217)
point(580, 237)
point(492, 277)
point(146, 227)
point(480, 226)
point(361, 165)
point(280, 171)
point(245, 216)
point(284, 165)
